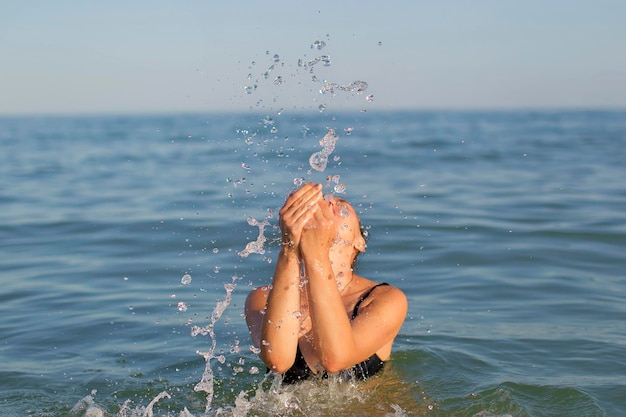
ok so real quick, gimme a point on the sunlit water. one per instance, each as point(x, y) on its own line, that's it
point(124, 275)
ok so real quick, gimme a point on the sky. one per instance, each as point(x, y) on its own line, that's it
point(84, 57)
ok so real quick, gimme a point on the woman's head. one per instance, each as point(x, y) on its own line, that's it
point(349, 229)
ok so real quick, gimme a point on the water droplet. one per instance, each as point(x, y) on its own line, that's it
point(182, 306)
point(318, 161)
point(296, 314)
point(328, 88)
point(318, 45)
point(324, 59)
point(298, 182)
point(321, 107)
point(216, 269)
point(340, 189)
point(253, 370)
point(357, 86)
point(348, 130)
point(369, 98)
point(185, 280)
point(278, 80)
point(276, 58)
point(215, 250)
point(257, 245)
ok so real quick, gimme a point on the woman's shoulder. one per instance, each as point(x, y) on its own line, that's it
point(388, 292)
point(372, 292)
point(257, 298)
point(367, 286)
point(383, 306)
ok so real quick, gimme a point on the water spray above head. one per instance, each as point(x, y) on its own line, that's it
point(319, 160)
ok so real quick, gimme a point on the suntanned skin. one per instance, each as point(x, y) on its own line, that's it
point(314, 291)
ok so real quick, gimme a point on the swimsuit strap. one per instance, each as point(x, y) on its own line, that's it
point(363, 297)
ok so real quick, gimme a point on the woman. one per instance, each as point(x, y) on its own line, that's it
point(318, 316)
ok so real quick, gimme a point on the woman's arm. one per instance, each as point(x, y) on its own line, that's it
point(272, 312)
point(341, 343)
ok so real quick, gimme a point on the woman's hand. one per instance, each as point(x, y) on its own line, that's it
point(298, 210)
point(320, 232)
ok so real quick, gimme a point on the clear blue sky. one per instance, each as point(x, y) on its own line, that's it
point(156, 56)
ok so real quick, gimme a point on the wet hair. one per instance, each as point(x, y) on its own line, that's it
point(364, 235)
point(362, 231)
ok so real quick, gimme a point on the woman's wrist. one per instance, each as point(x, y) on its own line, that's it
point(290, 250)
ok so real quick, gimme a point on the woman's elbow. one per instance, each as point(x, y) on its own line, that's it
point(334, 364)
point(276, 364)
point(332, 367)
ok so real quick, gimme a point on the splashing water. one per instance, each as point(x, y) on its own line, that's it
point(319, 160)
point(207, 381)
point(324, 59)
point(256, 246)
point(357, 86)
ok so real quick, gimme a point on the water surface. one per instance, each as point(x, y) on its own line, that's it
point(507, 231)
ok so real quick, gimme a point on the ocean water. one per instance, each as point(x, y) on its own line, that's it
point(120, 238)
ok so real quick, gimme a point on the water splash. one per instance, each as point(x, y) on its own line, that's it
point(256, 246)
point(356, 86)
point(334, 396)
point(324, 59)
point(319, 160)
point(87, 406)
point(206, 383)
point(148, 412)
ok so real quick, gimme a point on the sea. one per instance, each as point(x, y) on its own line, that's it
point(128, 244)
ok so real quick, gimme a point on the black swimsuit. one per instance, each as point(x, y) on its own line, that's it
point(300, 371)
